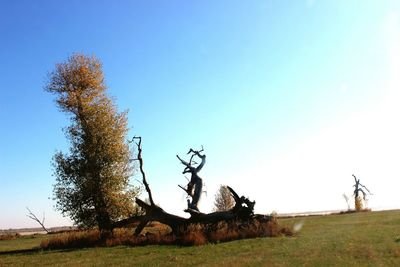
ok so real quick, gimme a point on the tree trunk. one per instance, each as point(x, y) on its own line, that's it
point(243, 210)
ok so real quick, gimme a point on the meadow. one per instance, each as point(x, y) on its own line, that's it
point(354, 239)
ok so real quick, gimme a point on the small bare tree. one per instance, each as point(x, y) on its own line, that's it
point(223, 199)
point(358, 187)
point(33, 217)
point(347, 201)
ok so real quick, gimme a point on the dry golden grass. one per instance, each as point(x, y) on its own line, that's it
point(157, 234)
point(73, 239)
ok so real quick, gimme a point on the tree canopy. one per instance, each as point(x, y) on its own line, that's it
point(92, 180)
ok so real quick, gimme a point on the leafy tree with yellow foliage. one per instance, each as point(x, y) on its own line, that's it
point(92, 180)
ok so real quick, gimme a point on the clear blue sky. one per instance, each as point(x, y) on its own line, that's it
point(289, 98)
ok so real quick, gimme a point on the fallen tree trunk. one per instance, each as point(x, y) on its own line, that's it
point(243, 209)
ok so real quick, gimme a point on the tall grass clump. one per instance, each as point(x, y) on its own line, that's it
point(73, 239)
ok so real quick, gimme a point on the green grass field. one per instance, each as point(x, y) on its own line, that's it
point(362, 239)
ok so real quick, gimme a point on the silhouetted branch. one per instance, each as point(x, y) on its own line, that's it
point(355, 179)
point(140, 159)
point(365, 189)
point(33, 217)
point(358, 186)
point(184, 189)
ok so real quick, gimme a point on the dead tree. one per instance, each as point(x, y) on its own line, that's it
point(33, 217)
point(195, 185)
point(347, 200)
point(243, 208)
point(358, 187)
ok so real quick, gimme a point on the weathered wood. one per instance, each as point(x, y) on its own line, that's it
point(243, 208)
point(195, 186)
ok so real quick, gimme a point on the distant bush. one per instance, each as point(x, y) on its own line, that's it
point(193, 235)
point(9, 236)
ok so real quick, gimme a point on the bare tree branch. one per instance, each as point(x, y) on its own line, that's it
point(355, 178)
point(366, 189)
point(140, 159)
point(32, 216)
point(358, 186)
point(184, 189)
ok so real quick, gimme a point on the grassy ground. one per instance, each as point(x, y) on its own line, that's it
point(362, 239)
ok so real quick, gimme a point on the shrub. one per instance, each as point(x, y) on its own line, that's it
point(9, 236)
